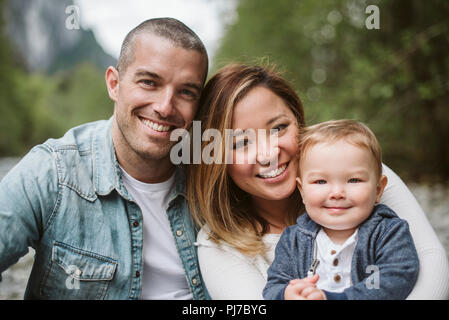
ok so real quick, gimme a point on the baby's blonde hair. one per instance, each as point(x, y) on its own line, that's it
point(351, 131)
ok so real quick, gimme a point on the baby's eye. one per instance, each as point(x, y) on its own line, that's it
point(354, 180)
point(321, 181)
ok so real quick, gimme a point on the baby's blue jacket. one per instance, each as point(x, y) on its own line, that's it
point(384, 241)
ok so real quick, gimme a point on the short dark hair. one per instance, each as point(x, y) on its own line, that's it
point(168, 28)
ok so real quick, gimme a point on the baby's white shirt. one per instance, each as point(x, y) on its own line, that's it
point(334, 268)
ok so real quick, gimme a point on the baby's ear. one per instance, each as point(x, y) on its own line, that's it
point(299, 184)
point(383, 180)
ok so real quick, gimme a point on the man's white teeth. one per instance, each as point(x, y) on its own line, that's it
point(274, 173)
point(155, 126)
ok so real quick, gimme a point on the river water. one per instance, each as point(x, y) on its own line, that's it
point(433, 199)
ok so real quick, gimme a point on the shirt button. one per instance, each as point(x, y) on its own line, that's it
point(337, 278)
point(194, 282)
point(137, 274)
point(335, 263)
point(136, 224)
point(179, 233)
point(78, 272)
point(333, 252)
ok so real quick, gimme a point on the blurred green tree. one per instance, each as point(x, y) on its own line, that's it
point(35, 107)
point(395, 79)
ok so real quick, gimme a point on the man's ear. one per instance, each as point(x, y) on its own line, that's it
point(112, 82)
point(383, 180)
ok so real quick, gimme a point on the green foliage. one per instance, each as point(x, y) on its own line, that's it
point(35, 107)
point(395, 79)
point(38, 106)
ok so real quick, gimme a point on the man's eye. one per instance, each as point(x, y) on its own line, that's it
point(321, 181)
point(354, 180)
point(148, 83)
point(188, 93)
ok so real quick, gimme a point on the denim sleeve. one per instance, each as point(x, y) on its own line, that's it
point(28, 195)
point(284, 267)
point(396, 268)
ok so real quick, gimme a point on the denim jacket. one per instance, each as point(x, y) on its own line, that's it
point(384, 244)
point(66, 199)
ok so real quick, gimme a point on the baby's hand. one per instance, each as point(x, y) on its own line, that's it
point(304, 289)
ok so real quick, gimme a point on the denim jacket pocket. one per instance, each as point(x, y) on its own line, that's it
point(77, 274)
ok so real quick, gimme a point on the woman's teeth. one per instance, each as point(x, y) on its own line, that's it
point(155, 126)
point(273, 173)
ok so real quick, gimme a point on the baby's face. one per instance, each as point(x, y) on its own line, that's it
point(339, 184)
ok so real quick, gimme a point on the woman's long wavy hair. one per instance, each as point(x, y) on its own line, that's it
point(213, 197)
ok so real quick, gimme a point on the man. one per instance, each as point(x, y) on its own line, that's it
point(103, 206)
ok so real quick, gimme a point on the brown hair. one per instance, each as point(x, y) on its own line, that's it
point(213, 197)
point(168, 28)
point(331, 131)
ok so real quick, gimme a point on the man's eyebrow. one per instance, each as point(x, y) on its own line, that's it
point(146, 73)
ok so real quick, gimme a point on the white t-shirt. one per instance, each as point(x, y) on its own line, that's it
point(163, 275)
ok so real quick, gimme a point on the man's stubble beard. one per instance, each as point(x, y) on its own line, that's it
point(148, 155)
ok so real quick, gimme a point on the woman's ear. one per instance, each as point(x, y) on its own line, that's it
point(381, 187)
point(112, 82)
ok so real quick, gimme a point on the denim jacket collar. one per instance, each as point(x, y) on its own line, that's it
point(106, 169)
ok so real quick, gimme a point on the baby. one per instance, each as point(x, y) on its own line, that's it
point(347, 246)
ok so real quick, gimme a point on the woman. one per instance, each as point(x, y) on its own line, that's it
point(244, 206)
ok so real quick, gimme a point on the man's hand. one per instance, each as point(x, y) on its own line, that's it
point(304, 289)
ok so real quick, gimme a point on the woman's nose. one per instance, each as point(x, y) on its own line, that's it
point(267, 153)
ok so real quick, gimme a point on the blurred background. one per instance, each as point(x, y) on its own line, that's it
point(54, 53)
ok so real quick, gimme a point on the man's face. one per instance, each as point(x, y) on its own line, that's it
point(157, 93)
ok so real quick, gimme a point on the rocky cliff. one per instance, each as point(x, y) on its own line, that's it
point(38, 30)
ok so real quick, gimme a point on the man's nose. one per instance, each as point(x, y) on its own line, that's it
point(164, 103)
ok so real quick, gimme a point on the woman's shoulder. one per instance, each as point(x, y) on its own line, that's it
point(203, 239)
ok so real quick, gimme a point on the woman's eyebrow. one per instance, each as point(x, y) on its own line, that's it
point(276, 118)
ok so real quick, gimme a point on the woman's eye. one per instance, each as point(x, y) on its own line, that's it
point(354, 180)
point(241, 144)
point(321, 181)
point(278, 128)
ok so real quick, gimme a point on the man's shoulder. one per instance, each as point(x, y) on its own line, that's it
point(77, 138)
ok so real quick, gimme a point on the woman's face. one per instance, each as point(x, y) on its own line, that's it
point(265, 163)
